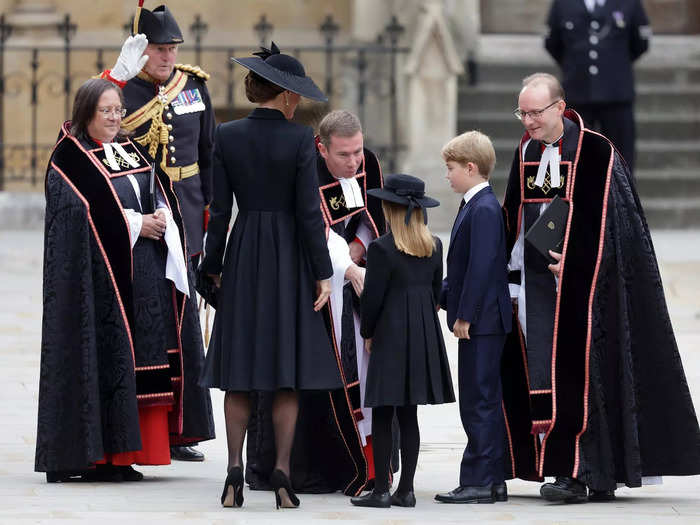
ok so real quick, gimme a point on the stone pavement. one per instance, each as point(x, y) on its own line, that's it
point(189, 493)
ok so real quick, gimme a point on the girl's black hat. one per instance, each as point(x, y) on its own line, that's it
point(406, 190)
point(282, 70)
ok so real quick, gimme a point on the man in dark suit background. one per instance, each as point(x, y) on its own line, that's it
point(595, 43)
point(475, 295)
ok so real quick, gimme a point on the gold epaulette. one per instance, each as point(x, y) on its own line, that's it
point(194, 70)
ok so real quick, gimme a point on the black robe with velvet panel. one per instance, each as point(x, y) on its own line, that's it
point(115, 334)
point(618, 408)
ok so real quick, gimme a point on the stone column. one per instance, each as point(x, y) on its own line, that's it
point(430, 107)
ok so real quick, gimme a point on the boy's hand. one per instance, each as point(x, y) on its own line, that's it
point(461, 329)
point(368, 345)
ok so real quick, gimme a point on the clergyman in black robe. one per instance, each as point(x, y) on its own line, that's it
point(593, 385)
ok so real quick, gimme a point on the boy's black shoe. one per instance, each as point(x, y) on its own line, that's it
point(500, 492)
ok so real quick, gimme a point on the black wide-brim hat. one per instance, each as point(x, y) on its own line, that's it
point(282, 70)
point(406, 190)
point(159, 26)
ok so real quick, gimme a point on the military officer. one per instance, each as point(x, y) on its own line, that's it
point(169, 112)
point(595, 43)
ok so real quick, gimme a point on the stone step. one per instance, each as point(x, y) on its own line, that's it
point(650, 99)
point(650, 126)
point(683, 74)
point(665, 213)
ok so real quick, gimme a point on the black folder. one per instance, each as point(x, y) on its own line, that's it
point(547, 232)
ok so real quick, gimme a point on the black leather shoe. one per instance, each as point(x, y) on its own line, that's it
point(104, 472)
point(468, 495)
point(372, 499)
point(406, 499)
point(63, 476)
point(185, 454)
point(601, 495)
point(568, 490)
point(500, 492)
point(129, 474)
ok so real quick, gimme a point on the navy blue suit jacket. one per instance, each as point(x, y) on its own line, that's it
point(476, 286)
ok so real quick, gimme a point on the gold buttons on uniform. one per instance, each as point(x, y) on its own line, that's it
point(172, 149)
point(169, 115)
point(170, 127)
point(171, 138)
point(172, 160)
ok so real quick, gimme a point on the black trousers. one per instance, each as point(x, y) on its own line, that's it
point(616, 122)
point(481, 409)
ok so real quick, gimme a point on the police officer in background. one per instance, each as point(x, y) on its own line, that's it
point(595, 43)
point(169, 112)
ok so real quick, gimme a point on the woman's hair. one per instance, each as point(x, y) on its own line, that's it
point(85, 104)
point(257, 89)
point(414, 239)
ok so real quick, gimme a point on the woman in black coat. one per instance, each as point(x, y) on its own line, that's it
point(268, 332)
point(408, 365)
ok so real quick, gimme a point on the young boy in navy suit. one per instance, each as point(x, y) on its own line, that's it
point(475, 295)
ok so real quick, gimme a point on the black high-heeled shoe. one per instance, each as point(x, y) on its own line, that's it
point(232, 496)
point(284, 494)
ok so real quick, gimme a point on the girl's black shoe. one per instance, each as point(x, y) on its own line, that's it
point(284, 494)
point(232, 496)
point(405, 499)
point(372, 499)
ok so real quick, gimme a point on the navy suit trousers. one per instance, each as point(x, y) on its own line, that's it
point(480, 406)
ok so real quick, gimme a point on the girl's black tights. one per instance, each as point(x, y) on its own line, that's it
point(381, 442)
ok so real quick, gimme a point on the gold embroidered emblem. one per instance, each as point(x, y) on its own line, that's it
point(121, 161)
point(550, 225)
point(337, 202)
point(547, 185)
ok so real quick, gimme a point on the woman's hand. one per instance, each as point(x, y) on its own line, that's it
point(323, 292)
point(153, 226)
point(368, 345)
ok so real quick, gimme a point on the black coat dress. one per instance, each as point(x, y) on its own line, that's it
point(266, 335)
point(408, 364)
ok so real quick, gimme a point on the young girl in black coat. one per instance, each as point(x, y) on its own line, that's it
point(408, 365)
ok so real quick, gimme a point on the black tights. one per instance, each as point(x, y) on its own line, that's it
point(382, 444)
point(285, 408)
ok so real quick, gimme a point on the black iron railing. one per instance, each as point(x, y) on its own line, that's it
point(44, 78)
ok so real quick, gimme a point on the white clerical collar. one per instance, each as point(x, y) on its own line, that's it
point(351, 192)
point(590, 4)
point(476, 189)
point(551, 158)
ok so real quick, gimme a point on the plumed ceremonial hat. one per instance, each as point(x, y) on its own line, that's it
point(282, 70)
point(407, 190)
point(158, 25)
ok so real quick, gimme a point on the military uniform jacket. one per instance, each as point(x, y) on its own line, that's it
point(175, 125)
point(596, 50)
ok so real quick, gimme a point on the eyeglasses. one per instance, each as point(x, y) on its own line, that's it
point(535, 113)
point(119, 111)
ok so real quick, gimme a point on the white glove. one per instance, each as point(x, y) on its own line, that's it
point(131, 59)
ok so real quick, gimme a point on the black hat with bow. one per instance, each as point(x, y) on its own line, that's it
point(407, 190)
point(158, 25)
point(282, 70)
